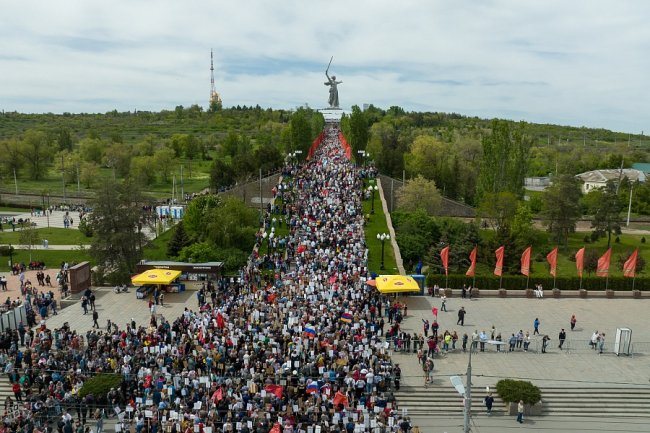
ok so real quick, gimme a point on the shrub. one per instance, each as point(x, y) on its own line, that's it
point(617, 240)
point(643, 240)
point(511, 391)
point(518, 282)
point(100, 385)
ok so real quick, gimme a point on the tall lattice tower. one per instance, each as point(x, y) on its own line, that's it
point(215, 99)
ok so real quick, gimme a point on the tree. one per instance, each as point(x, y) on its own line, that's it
point(561, 208)
point(499, 210)
point(164, 159)
point(605, 207)
point(88, 173)
point(37, 152)
point(12, 158)
point(232, 224)
point(141, 170)
point(504, 162)
point(29, 237)
point(116, 222)
point(92, 150)
point(117, 156)
point(359, 132)
point(522, 226)
point(419, 193)
point(64, 139)
point(591, 261)
point(196, 215)
point(301, 134)
point(179, 240)
point(221, 175)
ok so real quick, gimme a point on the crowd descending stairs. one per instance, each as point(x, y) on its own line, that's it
point(598, 402)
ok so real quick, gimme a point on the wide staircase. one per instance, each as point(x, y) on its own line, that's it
point(593, 402)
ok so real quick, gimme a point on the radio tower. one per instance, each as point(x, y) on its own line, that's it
point(215, 99)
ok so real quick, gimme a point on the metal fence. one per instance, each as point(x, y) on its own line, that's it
point(11, 318)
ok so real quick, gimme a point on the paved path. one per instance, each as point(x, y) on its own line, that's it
point(120, 308)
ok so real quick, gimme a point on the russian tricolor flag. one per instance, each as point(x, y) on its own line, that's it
point(346, 317)
point(313, 388)
point(309, 332)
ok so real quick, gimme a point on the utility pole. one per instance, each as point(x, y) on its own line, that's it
point(16, 181)
point(182, 187)
point(78, 182)
point(629, 206)
point(63, 178)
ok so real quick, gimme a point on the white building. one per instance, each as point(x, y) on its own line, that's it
point(599, 178)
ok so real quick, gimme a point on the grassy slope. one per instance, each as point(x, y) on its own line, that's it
point(55, 236)
point(377, 224)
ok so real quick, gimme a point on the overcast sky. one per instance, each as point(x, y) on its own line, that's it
point(582, 63)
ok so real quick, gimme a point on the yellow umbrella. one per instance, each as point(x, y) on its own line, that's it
point(155, 276)
point(396, 284)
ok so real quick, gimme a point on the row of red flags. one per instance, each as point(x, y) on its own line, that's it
point(602, 270)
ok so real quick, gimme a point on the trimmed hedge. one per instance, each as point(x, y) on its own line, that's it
point(100, 385)
point(511, 391)
point(516, 282)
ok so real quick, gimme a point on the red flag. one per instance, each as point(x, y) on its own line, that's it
point(498, 269)
point(434, 310)
point(552, 260)
point(276, 428)
point(580, 261)
point(603, 264)
point(525, 261)
point(217, 396)
point(340, 398)
point(472, 266)
point(444, 256)
point(220, 322)
point(629, 267)
point(274, 389)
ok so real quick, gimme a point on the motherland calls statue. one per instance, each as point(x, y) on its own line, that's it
point(334, 91)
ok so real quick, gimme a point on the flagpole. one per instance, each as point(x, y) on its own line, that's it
point(446, 279)
point(501, 280)
point(580, 280)
point(527, 279)
point(633, 279)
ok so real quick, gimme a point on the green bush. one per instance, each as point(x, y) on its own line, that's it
point(511, 391)
point(100, 385)
point(516, 282)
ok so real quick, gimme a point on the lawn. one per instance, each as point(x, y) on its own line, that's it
point(374, 225)
point(55, 236)
point(13, 209)
point(52, 258)
point(157, 248)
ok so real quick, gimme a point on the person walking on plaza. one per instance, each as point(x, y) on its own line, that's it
point(545, 341)
point(95, 317)
point(489, 400)
point(536, 326)
point(443, 299)
point(425, 327)
point(601, 343)
point(520, 412)
point(461, 316)
point(562, 337)
point(573, 321)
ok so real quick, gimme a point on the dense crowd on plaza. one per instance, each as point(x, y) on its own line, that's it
point(295, 344)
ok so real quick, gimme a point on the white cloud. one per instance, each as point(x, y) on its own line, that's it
point(581, 62)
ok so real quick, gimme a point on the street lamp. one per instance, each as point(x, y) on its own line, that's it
point(372, 189)
point(383, 237)
point(11, 256)
point(270, 238)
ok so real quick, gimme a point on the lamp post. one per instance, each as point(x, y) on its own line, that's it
point(372, 189)
point(383, 237)
point(467, 407)
point(11, 256)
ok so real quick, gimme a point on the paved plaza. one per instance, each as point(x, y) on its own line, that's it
point(576, 366)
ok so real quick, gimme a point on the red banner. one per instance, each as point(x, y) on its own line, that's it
point(346, 146)
point(472, 266)
point(603, 264)
point(629, 267)
point(552, 260)
point(580, 261)
point(340, 398)
point(525, 261)
point(500, 252)
point(444, 256)
point(315, 145)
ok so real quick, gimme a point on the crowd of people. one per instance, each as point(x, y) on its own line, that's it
point(296, 343)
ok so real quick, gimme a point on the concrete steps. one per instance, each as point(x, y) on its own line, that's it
point(600, 402)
